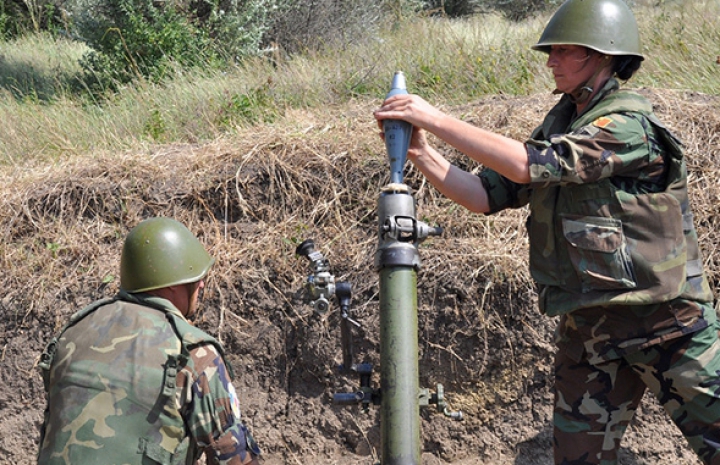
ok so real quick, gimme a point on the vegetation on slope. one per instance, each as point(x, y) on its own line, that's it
point(449, 61)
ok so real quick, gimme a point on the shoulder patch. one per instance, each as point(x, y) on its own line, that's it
point(234, 401)
point(603, 122)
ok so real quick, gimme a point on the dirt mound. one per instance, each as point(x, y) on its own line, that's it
point(252, 199)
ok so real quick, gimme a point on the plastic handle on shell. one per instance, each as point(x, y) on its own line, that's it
point(397, 133)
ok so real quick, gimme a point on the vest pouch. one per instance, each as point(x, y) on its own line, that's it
point(598, 252)
point(654, 230)
point(694, 264)
point(154, 454)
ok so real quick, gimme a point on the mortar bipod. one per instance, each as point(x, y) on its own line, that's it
point(321, 287)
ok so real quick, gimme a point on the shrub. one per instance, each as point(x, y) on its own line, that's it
point(149, 39)
point(310, 25)
point(515, 10)
point(20, 16)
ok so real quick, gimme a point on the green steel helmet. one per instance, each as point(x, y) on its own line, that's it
point(161, 252)
point(606, 26)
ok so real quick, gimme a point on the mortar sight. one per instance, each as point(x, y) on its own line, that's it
point(307, 249)
point(320, 284)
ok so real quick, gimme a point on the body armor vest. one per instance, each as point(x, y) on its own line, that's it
point(112, 398)
point(594, 244)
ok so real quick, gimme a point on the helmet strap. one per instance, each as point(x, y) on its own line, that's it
point(583, 92)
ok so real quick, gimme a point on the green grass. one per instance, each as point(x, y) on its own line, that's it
point(37, 67)
point(445, 61)
point(682, 43)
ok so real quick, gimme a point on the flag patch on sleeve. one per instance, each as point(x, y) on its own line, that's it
point(603, 122)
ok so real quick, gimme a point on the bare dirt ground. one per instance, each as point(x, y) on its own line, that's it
point(252, 198)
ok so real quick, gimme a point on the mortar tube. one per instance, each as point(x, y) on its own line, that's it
point(400, 409)
point(397, 263)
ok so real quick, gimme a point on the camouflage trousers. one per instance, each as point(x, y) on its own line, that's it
point(595, 403)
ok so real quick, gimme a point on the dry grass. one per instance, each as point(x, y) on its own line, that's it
point(254, 196)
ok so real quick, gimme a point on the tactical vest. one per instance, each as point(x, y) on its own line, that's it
point(112, 399)
point(594, 244)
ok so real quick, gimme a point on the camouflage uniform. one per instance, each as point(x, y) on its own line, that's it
point(130, 381)
point(614, 252)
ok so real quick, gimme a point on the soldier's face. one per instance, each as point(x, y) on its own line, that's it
point(193, 297)
point(572, 66)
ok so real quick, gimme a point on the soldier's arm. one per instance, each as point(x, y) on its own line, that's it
point(213, 411)
point(613, 145)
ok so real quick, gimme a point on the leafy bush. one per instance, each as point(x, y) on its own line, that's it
point(20, 16)
point(136, 38)
point(148, 39)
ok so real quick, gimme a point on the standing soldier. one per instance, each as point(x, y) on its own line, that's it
point(129, 380)
point(613, 249)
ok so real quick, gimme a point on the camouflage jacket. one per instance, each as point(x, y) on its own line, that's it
point(609, 217)
point(130, 381)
